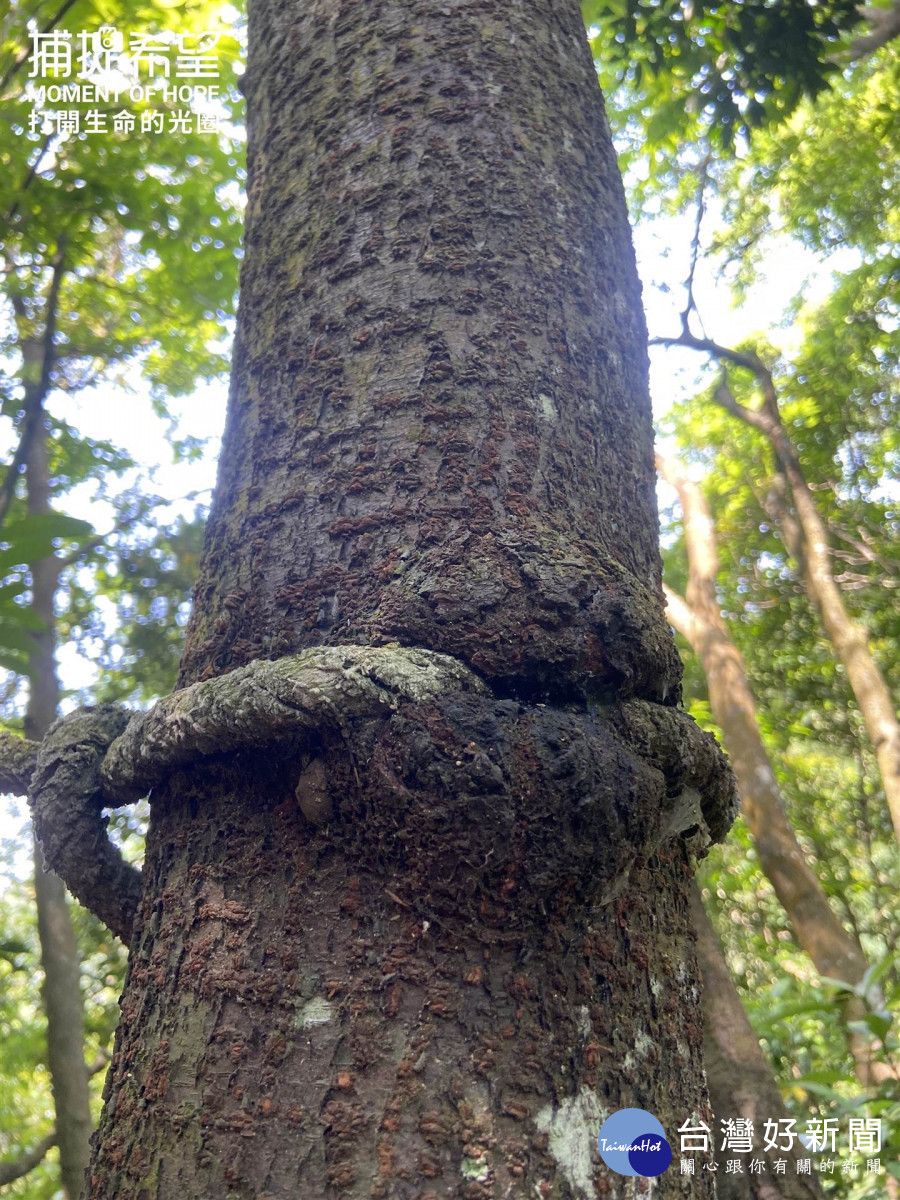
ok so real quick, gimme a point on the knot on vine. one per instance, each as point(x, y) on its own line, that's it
point(474, 796)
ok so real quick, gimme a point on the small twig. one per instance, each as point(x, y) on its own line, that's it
point(21, 59)
point(690, 302)
point(32, 171)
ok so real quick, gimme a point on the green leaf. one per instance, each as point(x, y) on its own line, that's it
point(876, 972)
point(872, 1025)
point(32, 538)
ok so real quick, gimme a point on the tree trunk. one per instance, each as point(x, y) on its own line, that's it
point(62, 995)
point(427, 958)
point(835, 952)
point(849, 638)
point(740, 1078)
point(812, 552)
point(808, 542)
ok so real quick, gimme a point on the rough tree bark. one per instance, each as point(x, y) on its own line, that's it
point(835, 952)
point(61, 992)
point(428, 957)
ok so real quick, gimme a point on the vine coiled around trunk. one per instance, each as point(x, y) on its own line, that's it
point(106, 756)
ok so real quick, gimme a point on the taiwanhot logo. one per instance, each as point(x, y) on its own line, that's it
point(633, 1142)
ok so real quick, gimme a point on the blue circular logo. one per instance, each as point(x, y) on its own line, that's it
point(633, 1142)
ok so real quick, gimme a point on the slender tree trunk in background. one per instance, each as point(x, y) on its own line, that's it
point(835, 952)
point(813, 555)
point(849, 638)
point(62, 996)
point(440, 980)
point(741, 1083)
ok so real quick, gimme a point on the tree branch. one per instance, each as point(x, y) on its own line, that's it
point(680, 614)
point(85, 763)
point(33, 169)
point(18, 758)
point(265, 702)
point(15, 1168)
point(749, 361)
point(707, 346)
point(884, 26)
point(67, 805)
point(808, 540)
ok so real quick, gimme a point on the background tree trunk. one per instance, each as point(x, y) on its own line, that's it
point(811, 549)
point(440, 977)
point(807, 539)
point(740, 1078)
point(835, 952)
point(62, 996)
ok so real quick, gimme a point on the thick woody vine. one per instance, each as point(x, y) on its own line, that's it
point(632, 775)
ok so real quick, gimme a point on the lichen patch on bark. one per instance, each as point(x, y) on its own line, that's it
point(571, 1129)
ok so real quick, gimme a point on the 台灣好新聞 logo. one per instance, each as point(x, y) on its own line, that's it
point(633, 1142)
